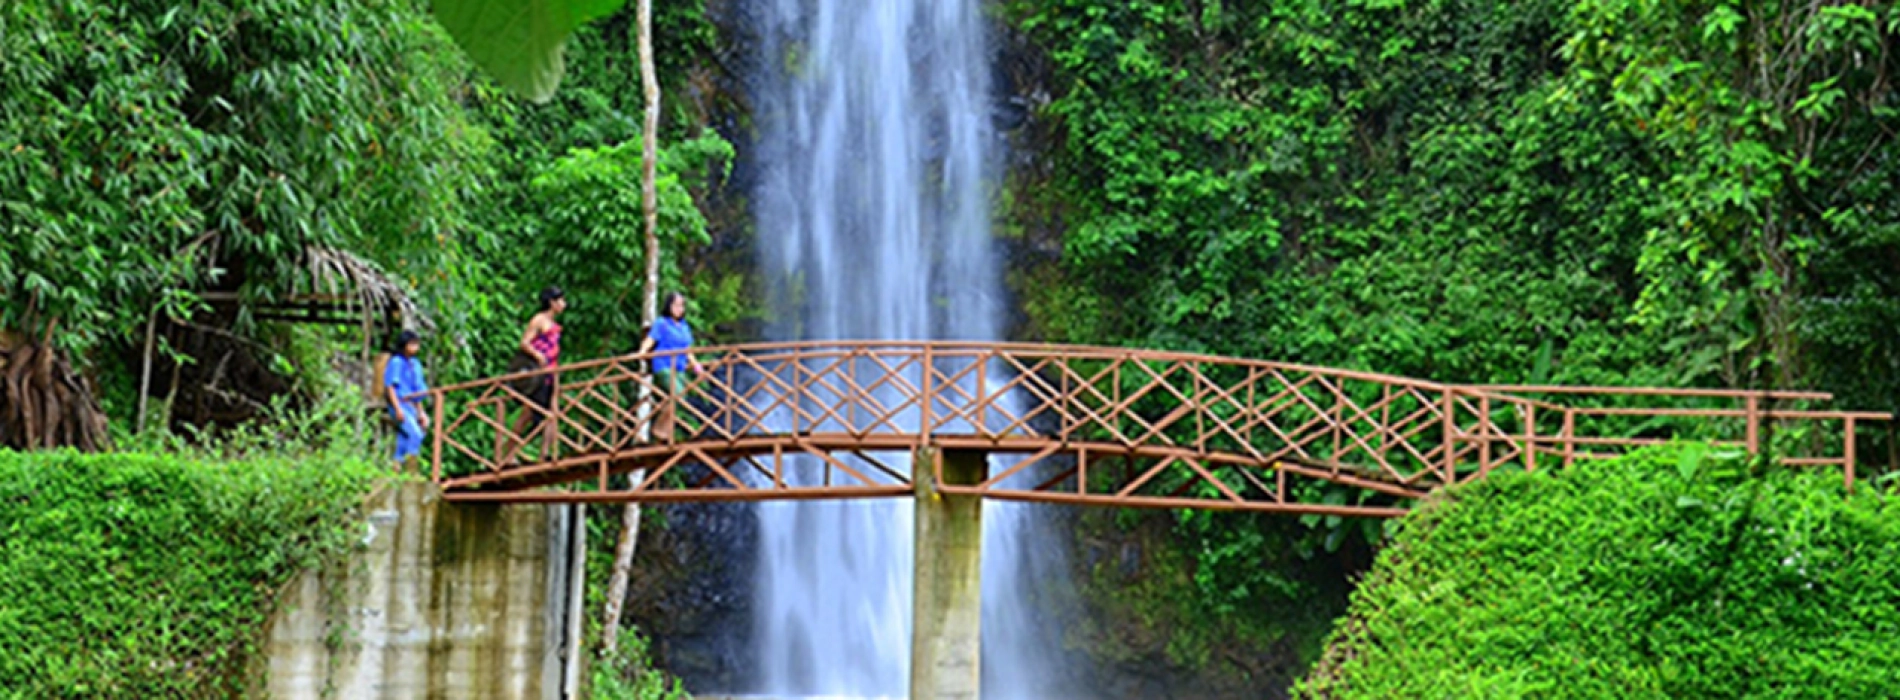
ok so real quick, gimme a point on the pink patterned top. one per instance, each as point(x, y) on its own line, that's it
point(548, 343)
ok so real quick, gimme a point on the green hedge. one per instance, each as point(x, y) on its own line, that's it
point(145, 576)
point(1670, 573)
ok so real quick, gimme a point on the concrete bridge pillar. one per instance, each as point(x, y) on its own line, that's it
point(947, 602)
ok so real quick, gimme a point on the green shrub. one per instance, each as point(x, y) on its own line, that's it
point(151, 576)
point(630, 675)
point(1669, 573)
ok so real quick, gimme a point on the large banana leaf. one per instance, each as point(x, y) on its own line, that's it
point(518, 42)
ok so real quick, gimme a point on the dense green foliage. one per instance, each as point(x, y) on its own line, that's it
point(561, 200)
point(150, 152)
point(1639, 192)
point(630, 675)
point(147, 149)
point(1669, 573)
point(593, 231)
point(1564, 191)
point(142, 575)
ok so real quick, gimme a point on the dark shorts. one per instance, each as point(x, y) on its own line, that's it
point(541, 395)
point(543, 392)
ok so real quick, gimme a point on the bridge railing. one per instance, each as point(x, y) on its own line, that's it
point(1602, 422)
point(1178, 426)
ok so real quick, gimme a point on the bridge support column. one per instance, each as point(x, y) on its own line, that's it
point(947, 602)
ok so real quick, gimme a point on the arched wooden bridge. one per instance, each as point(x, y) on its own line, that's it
point(1075, 425)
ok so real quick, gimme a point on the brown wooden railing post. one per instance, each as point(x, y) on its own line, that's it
point(1484, 435)
point(1847, 461)
point(1752, 414)
point(1066, 403)
point(1246, 435)
point(928, 397)
point(502, 431)
point(1339, 426)
point(550, 427)
point(1570, 435)
point(849, 358)
point(981, 429)
point(795, 401)
point(1082, 471)
point(1201, 382)
point(1530, 437)
point(1385, 424)
point(1451, 436)
point(615, 429)
point(435, 460)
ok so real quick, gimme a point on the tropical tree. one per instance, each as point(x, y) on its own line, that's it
point(152, 149)
point(649, 147)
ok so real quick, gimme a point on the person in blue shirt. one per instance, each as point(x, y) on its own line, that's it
point(669, 339)
point(402, 381)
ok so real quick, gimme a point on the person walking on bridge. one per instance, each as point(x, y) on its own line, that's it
point(670, 338)
point(540, 349)
point(406, 390)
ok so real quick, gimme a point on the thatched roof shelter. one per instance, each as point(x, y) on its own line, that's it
point(342, 288)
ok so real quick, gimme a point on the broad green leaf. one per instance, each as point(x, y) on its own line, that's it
point(519, 42)
point(1690, 460)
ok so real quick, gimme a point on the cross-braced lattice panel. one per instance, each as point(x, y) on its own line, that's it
point(1494, 431)
point(846, 390)
point(593, 411)
point(1374, 427)
point(601, 410)
point(986, 393)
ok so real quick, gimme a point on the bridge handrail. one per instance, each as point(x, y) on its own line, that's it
point(1772, 394)
point(1148, 353)
point(1079, 351)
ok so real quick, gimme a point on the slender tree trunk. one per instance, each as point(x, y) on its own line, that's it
point(145, 368)
point(649, 201)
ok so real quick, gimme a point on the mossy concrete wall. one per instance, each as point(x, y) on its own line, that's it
point(443, 601)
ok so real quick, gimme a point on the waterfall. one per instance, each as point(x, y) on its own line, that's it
point(875, 145)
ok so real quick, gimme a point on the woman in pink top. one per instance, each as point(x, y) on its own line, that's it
point(541, 341)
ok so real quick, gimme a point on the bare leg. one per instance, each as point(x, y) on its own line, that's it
point(663, 419)
point(512, 443)
point(517, 436)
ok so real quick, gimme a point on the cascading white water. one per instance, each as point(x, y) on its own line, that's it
point(874, 145)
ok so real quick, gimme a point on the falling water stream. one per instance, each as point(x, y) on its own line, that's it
point(876, 144)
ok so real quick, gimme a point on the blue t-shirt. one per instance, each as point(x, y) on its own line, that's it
point(670, 334)
point(405, 374)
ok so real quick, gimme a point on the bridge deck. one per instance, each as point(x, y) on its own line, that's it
point(1077, 425)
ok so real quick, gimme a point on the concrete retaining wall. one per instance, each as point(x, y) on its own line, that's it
point(445, 601)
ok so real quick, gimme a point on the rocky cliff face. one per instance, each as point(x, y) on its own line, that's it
point(691, 593)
